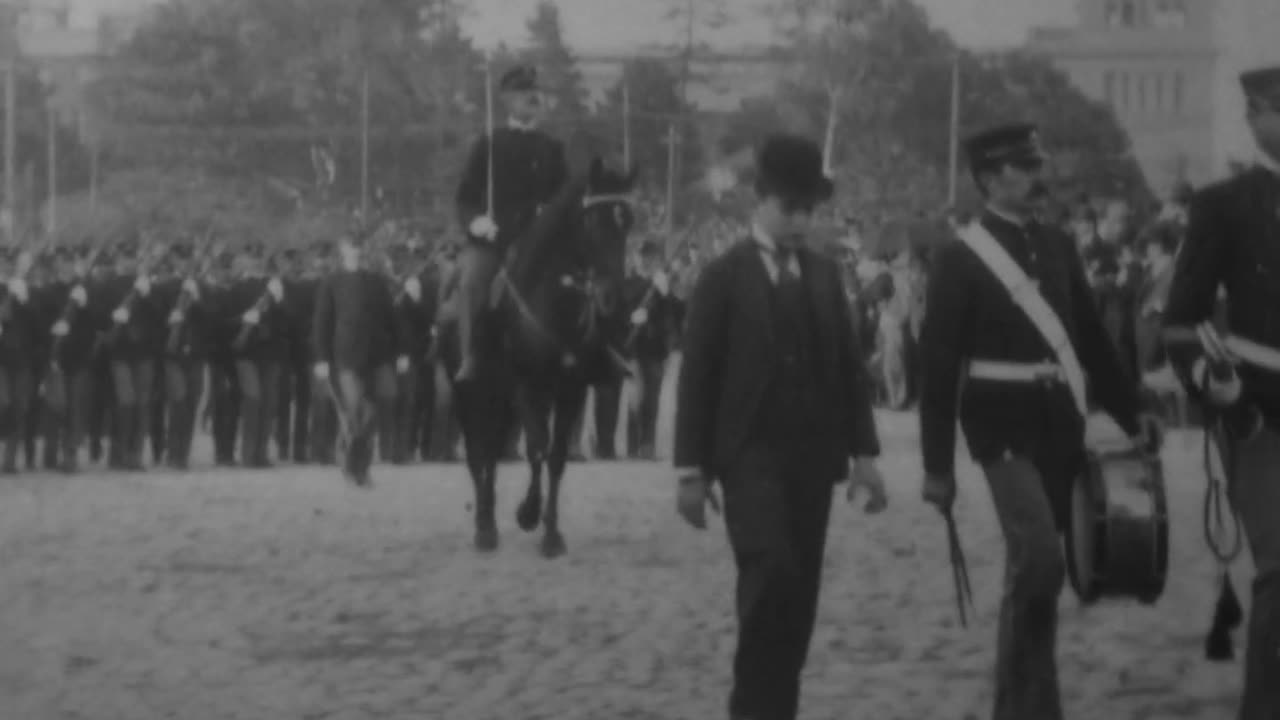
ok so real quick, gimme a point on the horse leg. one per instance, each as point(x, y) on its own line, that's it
point(568, 406)
point(534, 406)
point(474, 424)
point(482, 478)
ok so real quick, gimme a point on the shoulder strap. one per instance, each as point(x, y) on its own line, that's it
point(1027, 297)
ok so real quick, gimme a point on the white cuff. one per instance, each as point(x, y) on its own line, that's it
point(1219, 393)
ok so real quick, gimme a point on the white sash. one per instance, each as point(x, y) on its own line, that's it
point(1026, 295)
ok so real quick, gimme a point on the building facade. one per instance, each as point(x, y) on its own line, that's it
point(1154, 63)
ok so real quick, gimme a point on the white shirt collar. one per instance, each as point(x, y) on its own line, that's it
point(1269, 163)
point(515, 124)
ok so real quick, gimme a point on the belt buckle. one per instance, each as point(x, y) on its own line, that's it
point(1049, 375)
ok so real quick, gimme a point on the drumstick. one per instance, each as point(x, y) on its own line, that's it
point(488, 129)
point(959, 569)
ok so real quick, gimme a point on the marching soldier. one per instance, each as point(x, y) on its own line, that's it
point(293, 435)
point(1012, 365)
point(68, 389)
point(653, 313)
point(258, 349)
point(185, 353)
point(18, 328)
point(354, 343)
point(224, 386)
point(523, 168)
point(1232, 238)
point(323, 419)
point(415, 307)
point(773, 405)
point(132, 323)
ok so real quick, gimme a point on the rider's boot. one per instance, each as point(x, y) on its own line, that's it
point(470, 305)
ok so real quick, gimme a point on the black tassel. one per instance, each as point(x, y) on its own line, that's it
point(1227, 616)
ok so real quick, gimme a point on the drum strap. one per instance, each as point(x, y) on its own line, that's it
point(1026, 295)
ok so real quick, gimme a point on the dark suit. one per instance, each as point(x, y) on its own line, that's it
point(772, 402)
point(355, 332)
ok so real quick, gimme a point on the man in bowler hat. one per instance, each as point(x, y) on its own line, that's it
point(774, 406)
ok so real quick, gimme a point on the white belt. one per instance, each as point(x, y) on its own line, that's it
point(1015, 372)
point(1252, 353)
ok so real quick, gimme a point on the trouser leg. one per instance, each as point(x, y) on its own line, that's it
point(1256, 495)
point(1026, 666)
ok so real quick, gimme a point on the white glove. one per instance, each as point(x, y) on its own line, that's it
point(402, 364)
point(640, 316)
point(79, 296)
point(60, 328)
point(190, 287)
point(413, 288)
point(121, 315)
point(662, 283)
point(18, 288)
point(484, 227)
point(142, 285)
point(321, 370)
point(1221, 393)
point(175, 318)
point(276, 288)
point(252, 317)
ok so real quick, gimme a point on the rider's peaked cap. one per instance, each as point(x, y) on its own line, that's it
point(522, 78)
point(790, 166)
point(1007, 144)
point(1262, 84)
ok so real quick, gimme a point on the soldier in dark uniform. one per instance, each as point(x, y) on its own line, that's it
point(1233, 243)
point(294, 406)
point(528, 169)
point(132, 323)
point(415, 306)
point(224, 386)
point(1022, 406)
point(73, 336)
point(773, 405)
point(259, 346)
point(47, 291)
point(654, 318)
point(185, 353)
point(19, 327)
point(355, 344)
point(99, 272)
point(322, 420)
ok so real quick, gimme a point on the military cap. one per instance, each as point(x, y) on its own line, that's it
point(127, 247)
point(650, 249)
point(1262, 85)
point(790, 166)
point(1017, 144)
point(522, 78)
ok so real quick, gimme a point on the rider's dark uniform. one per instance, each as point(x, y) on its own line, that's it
point(1233, 244)
point(528, 169)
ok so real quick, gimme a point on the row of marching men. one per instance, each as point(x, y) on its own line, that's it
point(131, 349)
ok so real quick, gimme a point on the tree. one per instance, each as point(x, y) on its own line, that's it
point(34, 123)
point(655, 105)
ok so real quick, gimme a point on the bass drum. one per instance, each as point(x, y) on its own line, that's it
point(1117, 534)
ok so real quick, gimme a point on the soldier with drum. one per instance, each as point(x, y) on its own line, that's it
point(1009, 340)
point(1233, 244)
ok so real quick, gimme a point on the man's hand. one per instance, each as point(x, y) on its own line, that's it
point(693, 495)
point(863, 473)
point(1150, 437)
point(402, 364)
point(484, 227)
point(321, 371)
point(940, 491)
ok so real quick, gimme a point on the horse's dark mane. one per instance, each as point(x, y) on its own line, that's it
point(555, 223)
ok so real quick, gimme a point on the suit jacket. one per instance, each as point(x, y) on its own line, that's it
point(355, 322)
point(730, 356)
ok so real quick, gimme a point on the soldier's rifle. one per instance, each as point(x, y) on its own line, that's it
point(62, 326)
point(652, 291)
point(186, 298)
point(124, 311)
point(249, 322)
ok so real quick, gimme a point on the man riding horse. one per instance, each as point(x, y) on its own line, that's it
point(511, 173)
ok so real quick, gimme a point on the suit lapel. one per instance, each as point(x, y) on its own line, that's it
point(758, 289)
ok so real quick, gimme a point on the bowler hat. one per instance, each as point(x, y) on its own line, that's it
point(522, 78)
point(791, 167)
point(1262, 84)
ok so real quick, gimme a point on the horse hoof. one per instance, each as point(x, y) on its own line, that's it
point(553, 546)
point(528, 514)
point(486, 540)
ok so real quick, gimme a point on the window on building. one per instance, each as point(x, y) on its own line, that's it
point(1109, 87)
point(1142, 92)
point(1128, 13)
point(1124, 91)
point(1179, 91)
point(1170, 14)
point(1157, 92)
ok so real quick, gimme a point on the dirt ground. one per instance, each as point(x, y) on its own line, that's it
point(284, 595)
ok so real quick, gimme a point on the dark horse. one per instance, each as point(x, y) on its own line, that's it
point(549, 336)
